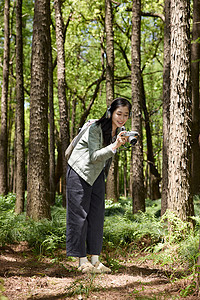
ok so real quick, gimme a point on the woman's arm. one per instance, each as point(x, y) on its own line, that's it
point(95, 141)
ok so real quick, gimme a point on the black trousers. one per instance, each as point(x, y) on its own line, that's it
point(85, 215)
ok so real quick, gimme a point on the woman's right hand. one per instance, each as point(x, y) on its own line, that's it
point(121, 140)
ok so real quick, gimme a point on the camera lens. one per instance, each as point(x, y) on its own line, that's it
point(132, 140)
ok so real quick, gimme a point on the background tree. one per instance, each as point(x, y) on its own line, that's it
point(179, 186)
point(166, 100)
point(154, 181)
point(195, 98)
point(85, 89)
point(20, 152)
point(112, 182)
point(137, 178)
point(109, 52)
point(51, 120)
point(4, 103)
point(38, 204)
point(64, 122)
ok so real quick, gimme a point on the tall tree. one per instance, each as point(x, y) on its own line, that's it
point(4, 103)
point(136, 175)
point(179, 186)
point(166, 100)
point(51, 121)
point(195, 98)
point(112, 182)
point(154, 190)
point(109, 51)
point(38, 204)
point(196, 110)
point(20, 155)
point(64, 121)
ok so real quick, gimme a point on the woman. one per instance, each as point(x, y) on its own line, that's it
point(86, 185)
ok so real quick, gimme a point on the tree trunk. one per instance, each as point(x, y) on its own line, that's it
point(4, 103)
point(38, 204)
point(195, 98)
point(179, 185)
point(20, 161)
point(64, 122)
point(196, 112)
point(125, 175)
point(73, 117)
point(51, 124)
point(166, 100)
point(112, 191)
point(153, 172)
point(109, 52)
point(136, 174)
point(112, 179)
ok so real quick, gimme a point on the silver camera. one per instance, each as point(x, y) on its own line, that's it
point(133, 135)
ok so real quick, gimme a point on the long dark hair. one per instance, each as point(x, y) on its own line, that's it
point(106, 121)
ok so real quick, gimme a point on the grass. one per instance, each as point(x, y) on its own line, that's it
point(125, 235)
point(122, 230)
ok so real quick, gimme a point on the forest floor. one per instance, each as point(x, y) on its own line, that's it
point(23, 276)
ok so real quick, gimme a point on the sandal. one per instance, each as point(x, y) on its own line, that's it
point(103, 269)
point(88, 268)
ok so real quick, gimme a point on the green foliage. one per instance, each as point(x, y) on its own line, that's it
point(82, 287)
point(42, 236)
point(122, 227)
point(189, 290)
point(168, 240)
point(47, 236)
point(179, 247)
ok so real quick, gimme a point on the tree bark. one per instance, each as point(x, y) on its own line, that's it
point(196, 112)
point(109, 52)
point(64, 121)
point(20, 153)
point(4, 103)
point(166, 100)
point(125, 175)
point(112, 179)
point(51, 121)
point(136, 174)
point(179, 186)
point(38, 204)
point(155, 177)
point(195, 98)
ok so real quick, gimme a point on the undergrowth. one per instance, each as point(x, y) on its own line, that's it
point(172, 245)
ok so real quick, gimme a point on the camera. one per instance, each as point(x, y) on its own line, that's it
point(132, 136)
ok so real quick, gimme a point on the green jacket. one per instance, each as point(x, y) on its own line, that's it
point(89, 157)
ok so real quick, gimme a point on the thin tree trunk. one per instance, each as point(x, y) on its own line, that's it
point(20, 161)
point(112, 179)
point(125, 174)
point(64, 122)
point(137, 177)
point(155, 177)
point(109, 52)
point(51, 123)
point(10, 143)
point(4, 103)
point(195, 98)
point(196, 111)
point(73, 117)
point(38, 203)
point(166, 101)
point(179, 185)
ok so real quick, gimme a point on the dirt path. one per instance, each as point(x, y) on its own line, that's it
point(23, 277)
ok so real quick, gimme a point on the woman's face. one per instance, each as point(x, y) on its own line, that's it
point(119, 117)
